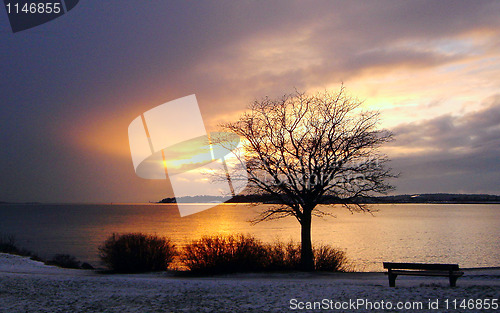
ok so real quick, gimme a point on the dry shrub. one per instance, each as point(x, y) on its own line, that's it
point(220, 254)
point(329, 259)
point(137, 252)
point(64, 261)
point(224, 254)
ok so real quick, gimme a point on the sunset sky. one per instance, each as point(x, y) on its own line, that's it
point(70, 88)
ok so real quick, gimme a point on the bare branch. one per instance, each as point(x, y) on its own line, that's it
point(302, 148)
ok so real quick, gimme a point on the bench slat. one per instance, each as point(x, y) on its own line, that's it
point(422, 266)
point(427, 273)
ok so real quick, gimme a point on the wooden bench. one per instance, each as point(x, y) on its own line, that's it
point(421, 269)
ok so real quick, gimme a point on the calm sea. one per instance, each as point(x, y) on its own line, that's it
point(465, 234)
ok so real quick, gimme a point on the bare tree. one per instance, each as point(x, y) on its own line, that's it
point(301, 148)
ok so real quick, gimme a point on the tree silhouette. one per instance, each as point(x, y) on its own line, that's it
point(301, 148)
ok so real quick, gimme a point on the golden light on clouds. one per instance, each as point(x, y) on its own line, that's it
point(431, 69)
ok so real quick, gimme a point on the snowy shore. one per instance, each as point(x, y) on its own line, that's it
point(30, 286)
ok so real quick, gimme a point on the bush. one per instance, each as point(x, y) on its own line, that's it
point(86, 266)
point(243, 253)
point(224, 254)
point(329, 259)
point(8, 244)
point(137, 252)
point(65, 261)
point(283, 257)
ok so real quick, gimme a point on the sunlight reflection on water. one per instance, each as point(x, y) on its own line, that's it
point(464, 234)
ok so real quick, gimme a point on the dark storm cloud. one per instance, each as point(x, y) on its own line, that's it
point(477, 131)
point(334, 41)
point(450, 153)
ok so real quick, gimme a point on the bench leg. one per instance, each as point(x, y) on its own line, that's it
point(392, 280)
point(453, 281)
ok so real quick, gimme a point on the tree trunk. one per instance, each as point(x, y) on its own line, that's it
point(306, 253)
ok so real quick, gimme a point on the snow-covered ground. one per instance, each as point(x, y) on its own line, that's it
point(30, 286)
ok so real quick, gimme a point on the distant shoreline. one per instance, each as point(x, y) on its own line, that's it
point(437, 198)
point(434, 198)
